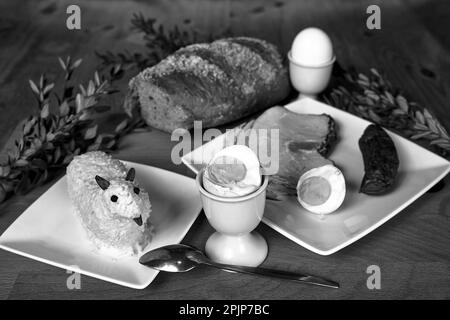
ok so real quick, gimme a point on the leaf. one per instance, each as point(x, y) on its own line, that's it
point(110, 144)
point(77, 63)
point(64, 109)
point(37, 142)
point(420, 135)
point(43, 177)
point(91, 88)
point(104, 136)
point(402, 103)
point(427, 114)
point(442, 131)
point(374, 117)
point(34, 87)
point(363, 77)
point(122, 125)
point(117, 68)
point(29, 152)
point(363, 83)
point(50, 136)
point(41, 81)
point(97, 78)
point(445, 146)
point(430, 121)
point(79, 102)
point(90, 133)
point(439, 141)
point(48, 88)
point(14, 173)
point(62, 64)
point(89, 102)
point(45, 111)
point(42, 134)
point(57, 154)
point(83, 90)
point(432, 125)
point(67, 158)
point(420, 127)
point(93, 147)
point(389, 97)
point(27, 127)
point(85, 115)
point(398, 112)
point(375, 72)
point(419, 117)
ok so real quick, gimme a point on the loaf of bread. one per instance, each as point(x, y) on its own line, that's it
point(216, 83)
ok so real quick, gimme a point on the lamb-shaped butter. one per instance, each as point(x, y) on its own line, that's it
point(113, 209)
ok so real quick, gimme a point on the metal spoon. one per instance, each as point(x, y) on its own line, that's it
point(182, 258)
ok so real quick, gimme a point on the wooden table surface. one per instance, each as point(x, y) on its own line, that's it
point(412, 48)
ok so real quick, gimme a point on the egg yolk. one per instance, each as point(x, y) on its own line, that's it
point(315, 191)
point(226, 170)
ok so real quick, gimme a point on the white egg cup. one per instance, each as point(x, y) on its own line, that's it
point(234, 220)
point(309, 80)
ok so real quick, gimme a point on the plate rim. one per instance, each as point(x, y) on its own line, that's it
point(88, 273)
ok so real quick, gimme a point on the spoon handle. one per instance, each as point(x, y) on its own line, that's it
point(279, 274)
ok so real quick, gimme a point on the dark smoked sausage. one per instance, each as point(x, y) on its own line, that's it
point(380, 160)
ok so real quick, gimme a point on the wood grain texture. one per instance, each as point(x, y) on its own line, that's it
point(412, 48)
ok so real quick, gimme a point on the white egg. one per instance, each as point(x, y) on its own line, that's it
point(312, 47)
point(234, 171)
point(321, 190)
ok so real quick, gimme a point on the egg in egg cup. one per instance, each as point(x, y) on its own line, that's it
point(234, 219)
point(311, 60)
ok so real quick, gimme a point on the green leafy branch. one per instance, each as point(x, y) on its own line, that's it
point(159, 43)
point(50, 140)
point(373, 98)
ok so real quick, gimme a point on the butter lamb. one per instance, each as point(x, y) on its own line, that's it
point(113, 209)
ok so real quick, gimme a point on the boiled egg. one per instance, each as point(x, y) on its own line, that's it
point(232, 172)
point(321, 190)
point(312, 47)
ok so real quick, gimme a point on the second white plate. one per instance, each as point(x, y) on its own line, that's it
point(419, 170)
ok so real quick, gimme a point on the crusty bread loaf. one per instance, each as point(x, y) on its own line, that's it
point(216, 83)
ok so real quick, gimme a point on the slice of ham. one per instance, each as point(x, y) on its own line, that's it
point(304, 141)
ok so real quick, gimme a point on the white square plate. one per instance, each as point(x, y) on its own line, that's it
point(50, 232)
point(419, 170)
